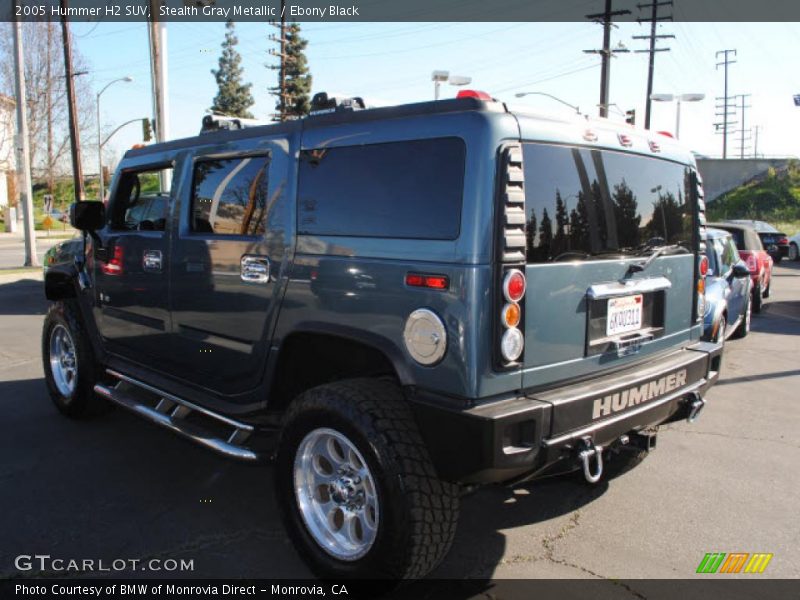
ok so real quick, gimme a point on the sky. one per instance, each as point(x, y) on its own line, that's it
point(391, 63)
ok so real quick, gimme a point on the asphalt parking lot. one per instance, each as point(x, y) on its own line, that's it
point(117, 487)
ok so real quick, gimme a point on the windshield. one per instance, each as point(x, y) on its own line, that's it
point(586, 204)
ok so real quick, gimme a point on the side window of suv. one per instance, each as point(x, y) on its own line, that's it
point(229, 196)
point(141, 200)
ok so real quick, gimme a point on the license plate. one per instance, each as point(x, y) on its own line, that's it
point(624, 315)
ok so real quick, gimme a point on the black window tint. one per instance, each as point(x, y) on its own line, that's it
point(140, 200)
point(583, 204)
point(230, 196)
point(394, 190)
point(738, 238)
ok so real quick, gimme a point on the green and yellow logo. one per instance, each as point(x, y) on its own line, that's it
point(735, 562)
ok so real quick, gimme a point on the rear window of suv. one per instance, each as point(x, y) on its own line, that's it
point(410, 190)
point(584, 204)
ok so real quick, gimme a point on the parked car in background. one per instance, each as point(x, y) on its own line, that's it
point(758, 261)
point(775, 242)
point(794, 244)
point(728, 298)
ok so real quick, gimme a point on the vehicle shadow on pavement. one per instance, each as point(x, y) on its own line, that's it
point(16, 298)
point(480, 545)
point(782, 317)
point(114, 487)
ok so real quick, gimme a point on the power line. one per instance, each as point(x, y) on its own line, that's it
point(653, 37)
point(723, 127)
point(605, 18)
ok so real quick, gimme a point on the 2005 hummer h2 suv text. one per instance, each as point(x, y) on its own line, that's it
point(396, 304)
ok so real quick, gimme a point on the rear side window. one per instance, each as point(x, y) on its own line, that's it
point(738, 238)
point(586, 204)
point(229, 196)
point(407, 190)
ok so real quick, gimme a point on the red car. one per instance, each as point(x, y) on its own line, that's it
point(752, 252)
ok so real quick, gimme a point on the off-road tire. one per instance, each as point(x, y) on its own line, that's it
point(418, 511)
point(744, 327)
point(82, 402)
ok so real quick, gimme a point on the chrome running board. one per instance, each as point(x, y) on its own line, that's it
point(171, 412)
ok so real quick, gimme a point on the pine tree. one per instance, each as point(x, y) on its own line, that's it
point(233, 98)
point(295, 101)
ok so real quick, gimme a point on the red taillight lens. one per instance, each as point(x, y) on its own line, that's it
point(474, 94)
point(750, 260)
point(113, 266)
point(434, 282)
point(703, 266)
point(514, 285)
point(783, 241)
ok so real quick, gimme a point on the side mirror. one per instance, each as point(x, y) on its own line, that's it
point(740, 270)
point(87, 216)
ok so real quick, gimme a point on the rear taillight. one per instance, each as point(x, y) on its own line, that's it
point(514, 285)
point(702, 269)
point(512, 342)
point(113, 266)
point(750, 260)
point(783, 241)
point(703, 266)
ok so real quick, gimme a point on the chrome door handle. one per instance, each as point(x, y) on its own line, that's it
point(151, 260)
point(255, 269)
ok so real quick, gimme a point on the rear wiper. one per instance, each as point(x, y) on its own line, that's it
point(660, 250)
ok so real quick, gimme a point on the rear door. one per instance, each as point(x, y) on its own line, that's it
point(590, 215)
point(227, 254)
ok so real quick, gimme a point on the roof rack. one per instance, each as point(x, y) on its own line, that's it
point(321, 104)
point(212, 123)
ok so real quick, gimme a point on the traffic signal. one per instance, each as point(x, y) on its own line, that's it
point(147, 130)
point(630, 116)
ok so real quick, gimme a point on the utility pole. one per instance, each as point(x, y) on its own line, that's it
point(157, 35)
point(23, 151)
point(605, 18)
point(280, 90)
point(49, 100)
point(744, 133)
point(74, 134)
point(653, 37)
point(756, 131)
point(725, 114)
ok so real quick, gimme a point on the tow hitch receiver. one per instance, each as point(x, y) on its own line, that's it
point(586, 451)
point(695, 404)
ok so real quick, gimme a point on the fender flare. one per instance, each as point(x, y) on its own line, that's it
point(61, 281)
point(379, 343)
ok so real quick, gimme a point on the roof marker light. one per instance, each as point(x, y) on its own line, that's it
point(475, 94)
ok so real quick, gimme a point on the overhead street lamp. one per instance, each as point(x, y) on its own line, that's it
point(440, 77)
point(522, 94)
point(678, 98)
point(126, 79)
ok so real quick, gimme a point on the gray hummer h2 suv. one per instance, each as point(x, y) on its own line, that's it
point(395, 305)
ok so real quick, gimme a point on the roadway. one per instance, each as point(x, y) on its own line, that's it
point(118, 487)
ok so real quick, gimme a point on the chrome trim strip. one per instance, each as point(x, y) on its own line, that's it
point(176, 399)
point(601, 291)
point(695, 387)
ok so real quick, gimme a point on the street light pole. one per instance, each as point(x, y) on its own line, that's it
point(522, 94)
point(678, 99)
point(101, 188)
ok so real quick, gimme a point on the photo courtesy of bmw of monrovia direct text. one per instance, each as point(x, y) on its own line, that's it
point(365, 299)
